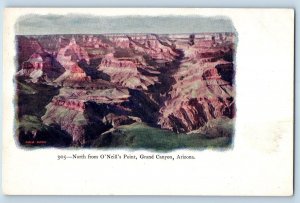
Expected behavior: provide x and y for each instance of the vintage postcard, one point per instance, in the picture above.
(148, 101)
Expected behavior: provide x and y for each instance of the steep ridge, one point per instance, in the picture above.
(203, 87)
(68, 57)
(35, 62)
(181, 83)
(128, 72)
(70, 108)
(99, 106)
(124, 99)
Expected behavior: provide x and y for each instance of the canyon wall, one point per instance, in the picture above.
(174, 82)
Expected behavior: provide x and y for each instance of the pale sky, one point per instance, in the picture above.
(85, 24)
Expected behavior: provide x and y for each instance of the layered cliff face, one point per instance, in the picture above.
(174, 83)
(69, 56)
(203, 88)
(26, 47)
(98, 106)
(35, 62)
(41, 67)
(153, 47)
(127, 72)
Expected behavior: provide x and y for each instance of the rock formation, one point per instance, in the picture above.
(203, 89)
(125, 72)
(68, 57)
(180, 83)
(40, 67)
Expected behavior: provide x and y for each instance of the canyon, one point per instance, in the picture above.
(96, 90)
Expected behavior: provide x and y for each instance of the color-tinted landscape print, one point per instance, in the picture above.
(138, 90)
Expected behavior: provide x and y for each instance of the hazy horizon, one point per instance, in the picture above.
(34, 24)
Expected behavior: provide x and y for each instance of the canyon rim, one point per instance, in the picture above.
(159, 83)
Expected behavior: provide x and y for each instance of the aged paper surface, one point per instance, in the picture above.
(257, 159)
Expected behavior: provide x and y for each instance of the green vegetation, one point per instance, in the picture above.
(26, 89)
(61, 113)
(217, 127)
(32, 98)
(31, 129)
(30, 123)
(140, 135)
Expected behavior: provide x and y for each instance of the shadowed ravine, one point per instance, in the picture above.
(138, 91)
